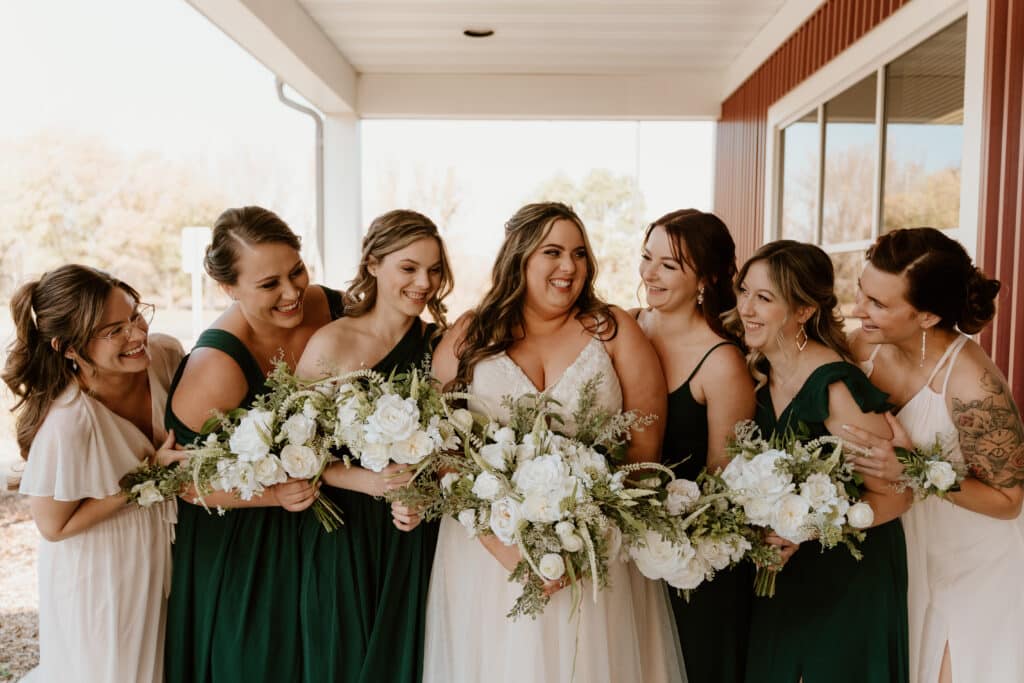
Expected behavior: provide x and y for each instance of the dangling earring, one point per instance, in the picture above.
(801, 344)
(924, 346)
(74, 365)
(700, 296)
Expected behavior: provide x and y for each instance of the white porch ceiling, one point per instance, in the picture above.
(547, 58)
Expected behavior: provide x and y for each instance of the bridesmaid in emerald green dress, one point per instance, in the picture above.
(364, 587)
(233, 612)
(833, 619)
(687, 266)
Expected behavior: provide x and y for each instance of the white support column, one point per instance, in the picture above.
(343, 229)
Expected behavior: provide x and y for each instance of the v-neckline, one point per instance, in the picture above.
(153, 416)
(565, 372)
(771, 402)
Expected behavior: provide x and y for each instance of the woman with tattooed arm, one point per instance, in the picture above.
(919, 297)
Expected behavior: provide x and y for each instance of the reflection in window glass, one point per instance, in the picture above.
(800, 178)
(848, 266)
(851, 153)
(924, 94)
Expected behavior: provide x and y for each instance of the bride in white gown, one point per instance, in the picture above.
(541, 327)
(965, 554)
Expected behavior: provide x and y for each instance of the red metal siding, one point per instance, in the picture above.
(742, 136)
(1000, 248)
(743, 127)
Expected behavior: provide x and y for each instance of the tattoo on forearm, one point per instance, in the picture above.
(991, 435)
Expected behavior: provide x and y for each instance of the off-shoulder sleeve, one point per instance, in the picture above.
(73, 456)
(811, 406)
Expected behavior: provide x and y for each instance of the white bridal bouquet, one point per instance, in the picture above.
(802, 490)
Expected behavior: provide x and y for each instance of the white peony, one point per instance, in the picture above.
(300, 462)
(462, 419)
(252, 438)
(299, 429)
(941, 475)
(505, 520)
(860, 515)
(148, 493)
(552, 566)
(269, 471)
(448, 480)
(571, 541)
(759, 511)
(394, 419)
(716, 552)
(496, 455)
(542, 474)
(690, 575)
(682, 493)
(542, 506)
(467, 518)
(658, 558)
(487, 486)
(374, 457)
(819, 491)
(789, 519)
(413, 450)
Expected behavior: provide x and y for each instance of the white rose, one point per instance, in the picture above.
(299, 429)
(252, 438)
(495, 455)
(941, 475)
(300, 462)
(542, 506)
(413, 450)
(552, 566)
(689, 576)
(462, 419)
(374, 457)
(448, 480)
(505, 520)
(717, 553)
(682, 493)
(467, 518)
(658, 558)
(734, 473)
(758, 511)
(245, 476)
(487, 486)
(542, 474)
(525, 451)
(571, 541)
(269, 471)
(764, 475)
(819, 491)
(505, 435)
(790, 517)
(394, 419)
(860, 515)
(147, 493)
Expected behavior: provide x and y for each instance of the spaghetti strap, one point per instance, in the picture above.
(959, 344)
(704, 358)
(942, 361)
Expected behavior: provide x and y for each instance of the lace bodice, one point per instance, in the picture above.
(496, 377)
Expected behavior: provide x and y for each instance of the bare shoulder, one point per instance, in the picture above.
(628, 333)
(974, 374)
(212, 381)
(456, 332)
(325, 351)
(860, 348)
(724, 367)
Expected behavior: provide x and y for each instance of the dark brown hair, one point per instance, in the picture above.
(712, 258)
(941, 278)
(803, 275)
(247, 225)
(388, 233)
(65, 305)
(497, 322)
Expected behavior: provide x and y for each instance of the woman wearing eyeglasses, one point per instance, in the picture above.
(91, 386)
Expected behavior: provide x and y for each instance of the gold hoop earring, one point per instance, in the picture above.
(700, 296)
(924, 347)
(801, 344)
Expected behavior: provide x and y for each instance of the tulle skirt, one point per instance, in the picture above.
(628, 635)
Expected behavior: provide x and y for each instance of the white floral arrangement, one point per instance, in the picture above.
(802, 490)
(929, 471)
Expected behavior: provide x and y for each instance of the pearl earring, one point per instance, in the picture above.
(700, 296)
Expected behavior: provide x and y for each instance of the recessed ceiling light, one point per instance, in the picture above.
(478, 32)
